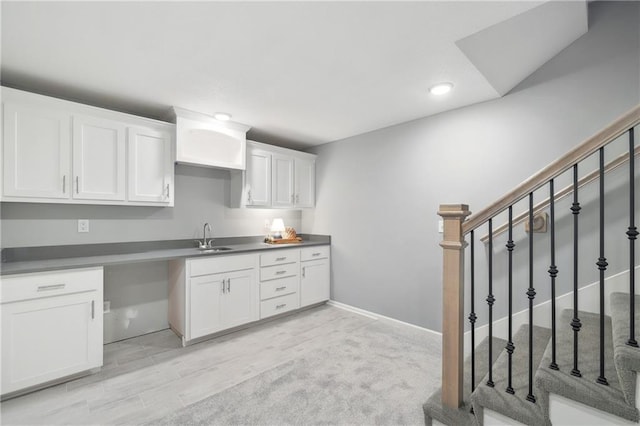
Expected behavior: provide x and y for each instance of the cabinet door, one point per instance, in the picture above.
(48, 338)
(98, 159)
(305, 182)
(239, 305)
(258, 178)
(282, 181)
(315, 282)
(37, 150)
(205, 293)
(149, 165)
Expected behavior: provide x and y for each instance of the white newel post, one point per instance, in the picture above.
(453, 245)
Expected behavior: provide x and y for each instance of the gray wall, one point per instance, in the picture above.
(378, 193)
(138, 293)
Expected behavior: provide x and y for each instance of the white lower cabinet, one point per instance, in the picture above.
(315, 268)
(51, 326)
(212, 294)
(279, 282)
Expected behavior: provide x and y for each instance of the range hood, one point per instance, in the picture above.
(202, 140)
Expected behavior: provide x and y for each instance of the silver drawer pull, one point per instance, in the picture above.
(316, 254)
(281, 288)
(280, 259)
(51, 287)
(280, 272)
(281, 306)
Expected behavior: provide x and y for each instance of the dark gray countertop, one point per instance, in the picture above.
(19, 260)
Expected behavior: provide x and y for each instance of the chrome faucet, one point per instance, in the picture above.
(205, 243)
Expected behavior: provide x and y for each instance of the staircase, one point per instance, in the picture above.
(575, 366)
(617, 399)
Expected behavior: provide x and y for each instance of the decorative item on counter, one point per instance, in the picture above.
(286, 236)
(277, 228)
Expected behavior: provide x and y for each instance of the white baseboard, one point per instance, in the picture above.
(375, 316)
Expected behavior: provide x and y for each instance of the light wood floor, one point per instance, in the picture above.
(147, 377)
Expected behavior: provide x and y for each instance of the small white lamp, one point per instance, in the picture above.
(277, 228)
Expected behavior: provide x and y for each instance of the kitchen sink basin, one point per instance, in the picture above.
(214, 249)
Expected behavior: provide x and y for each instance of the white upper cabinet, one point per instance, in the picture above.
(282, 181)
(37, 147)
(305, 182)
(98, 159)
(150, 165)
(275, 178)
(258, 190)
(55, 151)
(204, 141)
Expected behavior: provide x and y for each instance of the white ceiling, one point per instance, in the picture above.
(299, 73)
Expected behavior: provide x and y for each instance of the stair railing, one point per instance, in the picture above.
(457, 224)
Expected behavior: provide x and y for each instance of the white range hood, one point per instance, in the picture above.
(202, 140)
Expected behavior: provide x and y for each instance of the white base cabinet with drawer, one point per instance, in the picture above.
(212, 294)
(279, 282)
(51, 326)
(315, 269)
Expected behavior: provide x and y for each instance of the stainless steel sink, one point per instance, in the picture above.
(214, 249)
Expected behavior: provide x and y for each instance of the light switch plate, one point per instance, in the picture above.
(441, 226)
(83, 225)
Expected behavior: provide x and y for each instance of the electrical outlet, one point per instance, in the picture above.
(83, 225)
(106, 306)
(441, 226)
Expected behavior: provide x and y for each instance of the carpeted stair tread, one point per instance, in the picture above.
(626, 358)
(496, 398)
(433, 408)
(583, 389)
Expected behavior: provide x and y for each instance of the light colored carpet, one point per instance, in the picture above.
(378, 374)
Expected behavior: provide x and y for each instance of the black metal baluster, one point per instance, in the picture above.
(531, 294)
(472, 316)
(510, 348)
(490, 301)
(632, 233)
(602, 266)
(553, 272)
(575, 322)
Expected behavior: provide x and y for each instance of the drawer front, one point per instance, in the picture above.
(216, 265)
(51, 283)
(279, 257)
(275, 288)
(279, 305)
(313, 253)
(279, 271)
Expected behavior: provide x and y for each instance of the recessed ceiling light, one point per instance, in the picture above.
(222, 116)
(441, 88)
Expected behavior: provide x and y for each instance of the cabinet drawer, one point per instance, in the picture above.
(313, 253)
(279, 305)
(279, 257)
(53, 283)
(275, 288)
(216, 265)
(279, 271)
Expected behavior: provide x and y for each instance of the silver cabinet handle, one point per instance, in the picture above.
(281, 306)
(223, 286)
(168, 192)
(77, 184)
(297, 198)
(293, 198)
(64, 184)
(93, 309)
(51, 287)
(281, 288)
(316, 254)
(249, 196)
(229, 285)
(280, 272)
(280, 259)
(304, 270)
